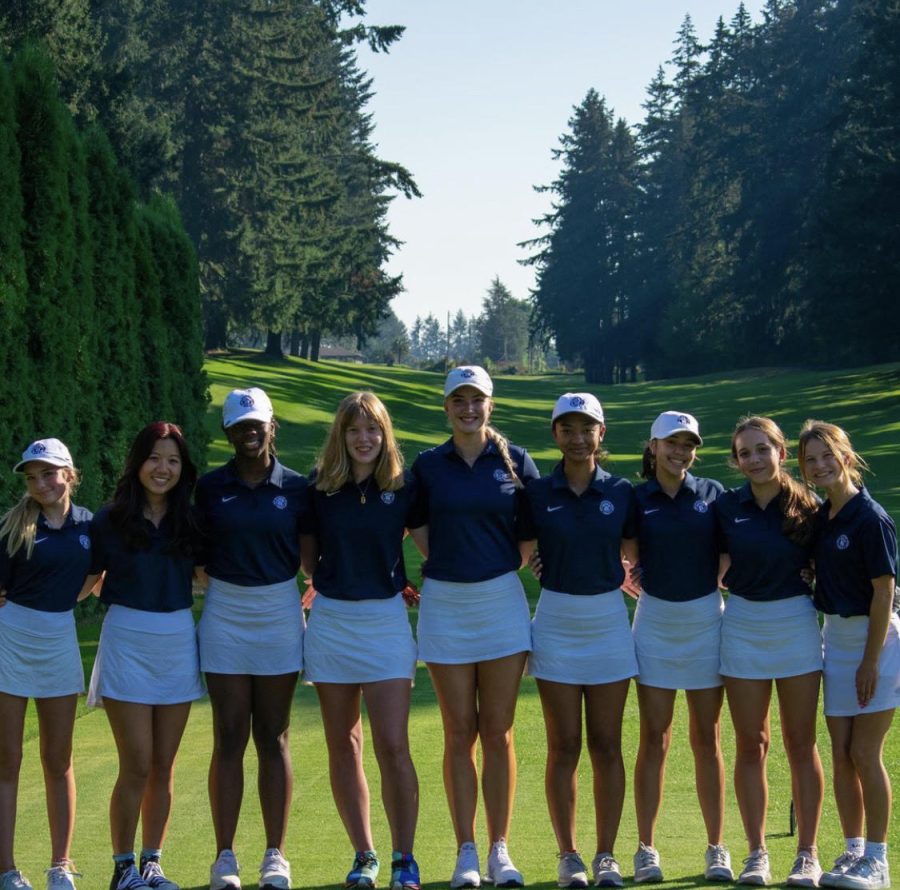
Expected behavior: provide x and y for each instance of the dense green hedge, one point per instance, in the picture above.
(100, 328)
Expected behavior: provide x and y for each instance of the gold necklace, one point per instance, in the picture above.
(362, 491)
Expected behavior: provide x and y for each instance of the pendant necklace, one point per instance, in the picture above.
(362, 491)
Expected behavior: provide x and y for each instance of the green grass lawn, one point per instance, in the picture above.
(864, 401)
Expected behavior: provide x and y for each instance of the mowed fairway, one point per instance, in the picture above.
(865, 401)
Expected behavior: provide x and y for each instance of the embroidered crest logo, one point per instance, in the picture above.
(387, 497)
(607, 507)
(280, 502)
(843, 542)
(701, 506)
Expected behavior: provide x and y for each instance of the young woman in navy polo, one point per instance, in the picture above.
(251, 630)
(856, 572)
(770, 633)
(473, 628)
(359, 643)
(582, 650)
(677, 631)
(146, 541)
(45, 555)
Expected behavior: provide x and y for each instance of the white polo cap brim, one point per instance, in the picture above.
(578, 403)
(47, 451)
(671, 422)
(468, 375)
(246, 404)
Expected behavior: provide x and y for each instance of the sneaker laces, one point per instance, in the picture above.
(804, 865)
(131, 880)
(63, 868)
(607, 863)
(572, 856)
(647, 856)
(845, 860)
(717, 856)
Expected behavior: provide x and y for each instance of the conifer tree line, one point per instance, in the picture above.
(752, 218)
(252, 115)
(100, 328)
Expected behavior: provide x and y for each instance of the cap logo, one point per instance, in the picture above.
(683, 420)
(247, 401)
(387, 497)
(701, 506)
(38, 448)
(502, 476)
(467, 373)
(280, 501)
(843, 542)
(576, 402)
(85, 541)
(607, 507)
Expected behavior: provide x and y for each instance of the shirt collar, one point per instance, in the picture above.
(449, 450)
(275, 477)
(75, 515)
(559, 478)
(856, 505)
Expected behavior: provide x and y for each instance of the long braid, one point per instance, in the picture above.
(502, 446)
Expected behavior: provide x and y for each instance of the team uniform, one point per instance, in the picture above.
(148, 644)
(678, 620)
(252, 622)
(358, 580)
(857, 545)
(39, 655)
(473, 606)
(770, 628)
(580, 632)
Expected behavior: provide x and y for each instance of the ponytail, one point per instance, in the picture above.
(648, 463)
(502, 445)
(799, 508)
(19, 526)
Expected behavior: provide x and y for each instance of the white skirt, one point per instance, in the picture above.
(149, 658)
(362, 641)
(39, 656)
(583, 640)
(251, 630)
(770, 640)
(677, 644)
(845, 640)
(467, 623)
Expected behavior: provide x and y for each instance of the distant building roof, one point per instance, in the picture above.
(340, 355)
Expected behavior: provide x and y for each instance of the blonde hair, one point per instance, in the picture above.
(798, 504)
(19, 525)
(333, 468)
(502, 446)
(837, 442)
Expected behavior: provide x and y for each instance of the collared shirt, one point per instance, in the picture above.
(255, 532)
(580, 536)
(765, 565)
(678, 540)
(360, 544)
(856, 546)
(155, 579)
(470, 512)
(61, 559)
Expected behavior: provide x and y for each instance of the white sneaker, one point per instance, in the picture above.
(224, 873)
(154, 877)
(500, 870)
(606, 871)
(61, 877)
(468, 870)
(841, 866)
(756, 869)
(274, 871)
(571, 872)
(805, 872)
(646, 865)
(867, 873)
(718, 863)
(14, 880)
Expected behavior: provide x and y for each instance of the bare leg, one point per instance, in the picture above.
(56, 719)
(867, 753)
(704, 708)
(12, 723)
(847, 788)
(657, 707)
(561, 704)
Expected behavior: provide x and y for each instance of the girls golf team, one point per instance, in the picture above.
(477, 510)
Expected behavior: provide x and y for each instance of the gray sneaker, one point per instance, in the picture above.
(14, 880)
(805, 872)
(61, 877)
(571, 871)
(756, 869)
(867, 873)
(841, 866)
(646, 865)
(718, 863)
(606, 871)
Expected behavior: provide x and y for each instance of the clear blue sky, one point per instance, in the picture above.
(473, 98)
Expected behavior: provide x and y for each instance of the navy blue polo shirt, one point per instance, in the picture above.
(157, 579)
(678, 539)
(61, 559)
(859, 544)
(255, 532)
(580, 536)
(470, 512)
(765, 565)
(360, 545)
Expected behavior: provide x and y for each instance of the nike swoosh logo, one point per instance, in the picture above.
(39, 540)
(738, 519)
(654, 510)
(554, 509)
(331, 494)
(226, 500)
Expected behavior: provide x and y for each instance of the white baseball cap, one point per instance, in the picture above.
(47, 451)
(468, 375)
(246, 404)
(578, 403)
(670, 422)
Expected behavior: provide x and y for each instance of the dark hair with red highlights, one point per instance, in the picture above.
(127, 508)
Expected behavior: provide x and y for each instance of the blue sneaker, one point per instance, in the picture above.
(364, 871)
(405, 873)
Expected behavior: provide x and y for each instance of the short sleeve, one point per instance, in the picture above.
(529, 468)
(879, 547)
(630, 526)
(99, 531)
(418, 508)
(526, 528)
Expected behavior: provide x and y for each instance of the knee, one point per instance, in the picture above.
(270, 744)
(751, 748)
(495, 737)
(705, 743)
(460, 735)
(392, 752)
(604, 747)
(865, 758)
(56, 763)
(655, 741)
(10, 762)
(231, 738)
(800, 746)
(564, 750)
